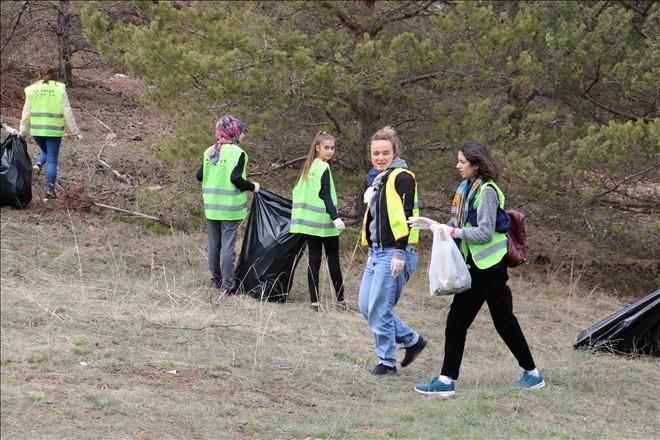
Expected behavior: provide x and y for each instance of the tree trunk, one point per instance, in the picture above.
(63, 43)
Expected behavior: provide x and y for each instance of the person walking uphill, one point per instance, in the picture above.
(484, 250)
(46, 112)
(391, 200)
(314, 214)
(224, 185)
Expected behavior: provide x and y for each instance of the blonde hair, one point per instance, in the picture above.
(387, 134)
(321, 137)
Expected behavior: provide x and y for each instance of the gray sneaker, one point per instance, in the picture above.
(50, 195)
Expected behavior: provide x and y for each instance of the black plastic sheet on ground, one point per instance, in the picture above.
(632, 330)
(15, 173)
(270, 253)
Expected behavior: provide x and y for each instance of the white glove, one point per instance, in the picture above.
(257, 187)
(421, 222)
(79, 136)
(12, 131)
(443, 229)
(339, 224)
(397, 266)
(369, 194)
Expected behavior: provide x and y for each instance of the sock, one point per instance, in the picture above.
(446, 379)
(534, 372)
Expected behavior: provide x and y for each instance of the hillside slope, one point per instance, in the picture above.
(117, 165)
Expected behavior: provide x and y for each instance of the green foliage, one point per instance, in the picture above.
(563, 93)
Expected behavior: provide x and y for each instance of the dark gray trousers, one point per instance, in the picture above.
(222, 240)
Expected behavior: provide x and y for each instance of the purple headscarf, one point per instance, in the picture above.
(227, 131)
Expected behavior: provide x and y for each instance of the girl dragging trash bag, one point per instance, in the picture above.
(224, 185)
(314, 214)
(391, 200)
(484, 250)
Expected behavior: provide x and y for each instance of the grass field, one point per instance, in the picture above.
(109, 332)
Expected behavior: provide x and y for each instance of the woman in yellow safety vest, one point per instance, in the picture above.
(485, 251)
(314, 214)
(46, 112)
(391, 200)
(223, 175)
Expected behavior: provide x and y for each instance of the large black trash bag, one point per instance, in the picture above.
(632, 330)
(15, 173)
(270, 253)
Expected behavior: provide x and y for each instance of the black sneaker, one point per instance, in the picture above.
(216, 283)
(384, 370)
(414, 350)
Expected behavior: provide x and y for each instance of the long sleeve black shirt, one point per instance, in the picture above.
(236, 175)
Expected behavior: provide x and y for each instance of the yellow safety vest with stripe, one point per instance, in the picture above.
(395, 211)
(222, 199)
(308, 213)
(486, 255)
(46, 108)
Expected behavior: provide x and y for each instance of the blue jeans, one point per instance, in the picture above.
(50, 151)
(379, 293)
(222, 239)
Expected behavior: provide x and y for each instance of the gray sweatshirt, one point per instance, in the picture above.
(486, 218)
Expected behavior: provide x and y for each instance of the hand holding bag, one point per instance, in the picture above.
(448, 273)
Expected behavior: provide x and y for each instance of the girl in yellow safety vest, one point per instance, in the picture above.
(224, 190)
(314, 214)
(391, 200)
(485, 251)
(46, 112)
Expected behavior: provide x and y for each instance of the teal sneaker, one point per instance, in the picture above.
(436, 387)
(530, 382)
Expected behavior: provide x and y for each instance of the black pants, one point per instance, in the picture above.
(331, 245)
(488, 285)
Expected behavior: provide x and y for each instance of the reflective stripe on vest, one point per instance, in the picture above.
(486, 255)
(308, 213)
(46, 108)
(396, 211)
(222, 200)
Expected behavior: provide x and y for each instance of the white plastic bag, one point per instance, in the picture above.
(448, 273)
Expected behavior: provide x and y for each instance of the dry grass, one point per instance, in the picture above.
(108, 331)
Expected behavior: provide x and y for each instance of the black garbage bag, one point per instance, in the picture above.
(632, 330)
(270, 253)
(15, 173)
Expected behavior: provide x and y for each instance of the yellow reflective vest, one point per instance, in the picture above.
(222, 199)
(395, 211)
(486, 255)
(308, 213)
(46, 108)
